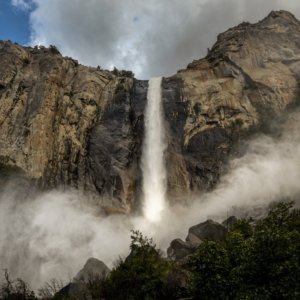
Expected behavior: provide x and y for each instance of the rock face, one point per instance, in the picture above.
(64, 124)
(248, 78)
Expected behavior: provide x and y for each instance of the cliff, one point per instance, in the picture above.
(66, 125)
(248, 78)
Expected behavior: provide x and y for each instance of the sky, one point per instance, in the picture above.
(151, 38)
(14, 23)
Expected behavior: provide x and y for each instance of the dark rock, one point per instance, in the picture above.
(179, 249)
(229, 222)
(209, 230)
(74, 290)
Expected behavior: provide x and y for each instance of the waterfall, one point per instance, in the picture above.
(153, 163)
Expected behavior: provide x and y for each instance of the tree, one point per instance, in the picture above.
(50, 289)
(142, 274)
(15, 289)
(257, 261)
(210, 269)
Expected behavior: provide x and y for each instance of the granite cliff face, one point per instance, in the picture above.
(66, 125)
(63, 124)
(249, 77)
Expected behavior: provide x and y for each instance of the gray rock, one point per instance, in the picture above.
(179, 249)
(229, 222)
(209, 230)
(193, 240)
(93, 268)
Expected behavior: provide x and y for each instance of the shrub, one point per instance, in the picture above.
(53, 49)
(16, 289)
(142, 275)
(257, 261)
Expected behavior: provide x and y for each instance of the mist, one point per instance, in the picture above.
(53, 234)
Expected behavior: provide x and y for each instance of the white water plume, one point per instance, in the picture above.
(153, 164)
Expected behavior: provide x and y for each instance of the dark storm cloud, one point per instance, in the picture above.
(151, 37)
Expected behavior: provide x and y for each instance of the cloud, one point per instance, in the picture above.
(22, 4)
(53, 234)
(149, 37)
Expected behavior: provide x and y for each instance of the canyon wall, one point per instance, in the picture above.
(64, 125)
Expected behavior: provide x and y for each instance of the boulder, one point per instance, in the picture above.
(179, 249)
(193, 240)
(209, 230)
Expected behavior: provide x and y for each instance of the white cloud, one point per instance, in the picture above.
(151, 37)
(22, 4)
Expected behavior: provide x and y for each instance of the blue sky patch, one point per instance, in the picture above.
(14, 23)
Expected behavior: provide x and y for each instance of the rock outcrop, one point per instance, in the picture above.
(93, 268)
(66, 125)
(206, 231)
(92, 271)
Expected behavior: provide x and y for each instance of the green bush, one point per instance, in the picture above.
(142, 275)
(257, 261)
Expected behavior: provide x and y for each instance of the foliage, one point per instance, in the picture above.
(50, 289)
(257, 261)
(122, 73)
(210, 269)
(15, 289)
(142, 275)
(53, 49)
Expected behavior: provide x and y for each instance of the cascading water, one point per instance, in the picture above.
(153, 164)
